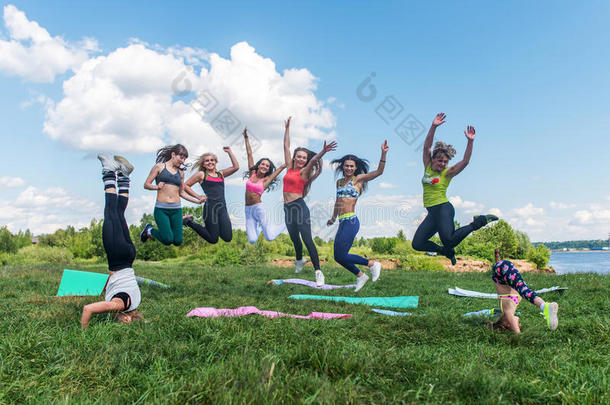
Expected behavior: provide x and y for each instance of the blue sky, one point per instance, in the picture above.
(532, 78)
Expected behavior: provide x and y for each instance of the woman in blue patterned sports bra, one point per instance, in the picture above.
(168, 175)
(355, 178)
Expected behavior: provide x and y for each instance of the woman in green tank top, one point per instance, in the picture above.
(437, 176)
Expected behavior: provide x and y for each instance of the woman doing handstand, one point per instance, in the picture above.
(122, 291)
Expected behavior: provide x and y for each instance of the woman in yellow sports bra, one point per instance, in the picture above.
(441, 213)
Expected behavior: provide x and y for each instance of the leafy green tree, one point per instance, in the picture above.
(540, 256)
(401, 236)
(523, 245)
(8, 244)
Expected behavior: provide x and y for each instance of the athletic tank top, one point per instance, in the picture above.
(293, 182)
(347, 190)
(213, 187)
(255, 187)
(166, 177)
(435, 186)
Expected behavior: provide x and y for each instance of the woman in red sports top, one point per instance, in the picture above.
(304, 166)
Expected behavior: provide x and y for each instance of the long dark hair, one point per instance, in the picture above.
(316, 170)
(362, 167)
(254, 169)
(165, 153)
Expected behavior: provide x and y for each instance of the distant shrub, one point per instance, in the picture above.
(383, 245)
(227, 255)
(39, 255)
(540, 256)
(421, 263)
(253, 254)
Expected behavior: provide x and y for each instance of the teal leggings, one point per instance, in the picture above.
(169, 224)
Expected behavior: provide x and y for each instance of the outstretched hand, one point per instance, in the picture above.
(227, 149)
(329, 147)
(384, 146)
(330, 222)
(245, 133)
(469, 133)
(287, 123)
(439, 119)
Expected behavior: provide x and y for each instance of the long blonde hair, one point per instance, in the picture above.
(199, 162)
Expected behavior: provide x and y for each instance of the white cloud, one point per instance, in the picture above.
(46, 210)
(130, 101)
(468, 207)
(495, 211)
(11, 181)
(528, 211)
(560, 205)
(32, 53)
(385, 185)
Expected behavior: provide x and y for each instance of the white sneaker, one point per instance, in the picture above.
(299, 264)
(360, 282)
(108, 164)
(319, 278)
(124, 166)
(375, 270)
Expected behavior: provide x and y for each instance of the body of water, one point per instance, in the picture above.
(581, 262)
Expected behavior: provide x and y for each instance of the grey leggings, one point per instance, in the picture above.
(298, 224)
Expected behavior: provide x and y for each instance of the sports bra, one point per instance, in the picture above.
(255, 187)
(293, 182)
(166, 177)
(213, 187)
(347, 190)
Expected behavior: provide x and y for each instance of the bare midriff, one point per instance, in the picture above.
(169, 194)
(252, 198)
(346, 205)
(290, 197)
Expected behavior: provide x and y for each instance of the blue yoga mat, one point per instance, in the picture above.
(75, 282)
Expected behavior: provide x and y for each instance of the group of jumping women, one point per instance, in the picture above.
(303, 167)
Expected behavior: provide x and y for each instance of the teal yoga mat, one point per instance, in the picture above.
(391, 302)
(75, 282)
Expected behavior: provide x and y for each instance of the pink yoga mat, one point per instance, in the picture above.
(209, 312)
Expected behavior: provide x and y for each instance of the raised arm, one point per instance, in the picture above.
(195, 178)
(184, 193)
(248, 149)
(306, 172)
(438, 121)
(269, 179)
(363, 178)
(154, 172)
(287, 157)
(235, 165)
(459, 166)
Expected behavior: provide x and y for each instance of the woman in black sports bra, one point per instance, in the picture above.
(215, 214)
(168, 175)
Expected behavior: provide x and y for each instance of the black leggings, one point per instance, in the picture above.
(440, 219)
(119, 248)
(217, 222)
(298, 224)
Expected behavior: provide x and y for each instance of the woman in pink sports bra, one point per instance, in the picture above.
(261, 176)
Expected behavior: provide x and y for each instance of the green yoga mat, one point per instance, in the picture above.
(75, 282)
(391, 302)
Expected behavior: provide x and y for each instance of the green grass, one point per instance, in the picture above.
(370, 358)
